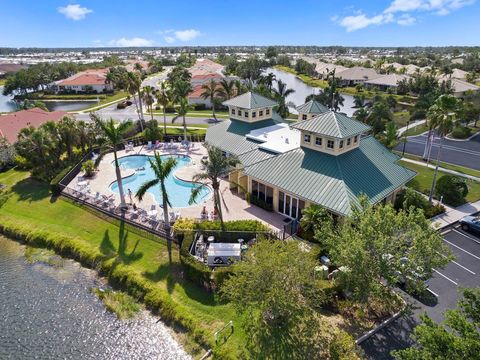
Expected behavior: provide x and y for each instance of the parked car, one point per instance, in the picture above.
(470, 223)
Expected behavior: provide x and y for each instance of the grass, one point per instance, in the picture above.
(400, 118)
(423, 181)
(179, 131)
(461, 169)
(31, 209)
(2, 82)
(118, 302)
(417, 130)
(196, 114)
(104, 102)
(46, 256)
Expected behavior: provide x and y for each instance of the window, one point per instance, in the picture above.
(267, 111)
(349, 141)
(255, 188)
(233, 111)
(246, 114)
(340, 144)
(260, 113)
(355, 139)
(254, 114)
(239, 112)
(262, 192)
(330, 144)
(281, 202)
(306, 138)
(304, 116)
(318, 141)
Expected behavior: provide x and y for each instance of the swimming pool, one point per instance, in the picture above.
(178, 190)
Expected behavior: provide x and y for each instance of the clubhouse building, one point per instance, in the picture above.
(325, 158)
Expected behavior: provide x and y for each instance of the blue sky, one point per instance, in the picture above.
(85, 23)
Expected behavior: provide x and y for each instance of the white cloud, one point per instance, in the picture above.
(187, 35)
(169, 39)
(132, 42)
(74, 11)
(402, 12)
(357, 22)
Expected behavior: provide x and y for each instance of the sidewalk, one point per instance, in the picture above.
(410, 126)
(456, 214)
(432, 166)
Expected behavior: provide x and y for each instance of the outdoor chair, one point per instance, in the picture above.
(149, 145)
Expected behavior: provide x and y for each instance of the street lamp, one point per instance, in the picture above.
(405, 138)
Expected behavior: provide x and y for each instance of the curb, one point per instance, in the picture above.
(463, 140)
(385, 323)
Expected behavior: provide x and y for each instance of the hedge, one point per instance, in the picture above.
(55, 183)
(261, 203)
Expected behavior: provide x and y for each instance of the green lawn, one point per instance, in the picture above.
(197, 114)
(417, 130)
(445, 165)
(31, 206)
(423, 181)
(400, 118)
(179, 131)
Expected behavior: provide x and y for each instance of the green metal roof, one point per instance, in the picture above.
(254, 156)
(250, 100)
(335, 182)
(332, 124)
(312, 107)
(229, 135)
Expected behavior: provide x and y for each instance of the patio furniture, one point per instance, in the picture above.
(149, 145)
(158, 144)
(211, 239)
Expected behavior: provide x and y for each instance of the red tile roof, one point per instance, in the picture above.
(214, 76)
(11, 124)
(88, 77)
(197, 91)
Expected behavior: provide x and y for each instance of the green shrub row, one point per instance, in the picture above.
(261, 203)
(118, 274)
(461, 132)
(55, 187)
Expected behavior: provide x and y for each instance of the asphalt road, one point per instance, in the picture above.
(446, 283)
(464, 153)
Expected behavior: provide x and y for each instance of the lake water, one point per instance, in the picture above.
(302, 90)
(8, 105)
(50, 313)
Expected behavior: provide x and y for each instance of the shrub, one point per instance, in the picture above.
(199, 106)
(261, 203)
(452, 188)
(121, 105)
(409, 197)
(89, 168)
(169, 110)
(55, 187)
(461, 132)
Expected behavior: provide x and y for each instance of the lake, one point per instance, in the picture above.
(8, 105)
(302, 90)
(50, 313)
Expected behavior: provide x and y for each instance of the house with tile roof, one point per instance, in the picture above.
(328, 159)
(92, 81)
(355, 75)
(386, 82)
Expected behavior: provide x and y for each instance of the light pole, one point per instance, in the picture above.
(405, 138)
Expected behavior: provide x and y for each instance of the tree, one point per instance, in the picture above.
(361, 114)
(134, 88)
(275, 291)
(227, 88)
(458, 337)
(7, 154)
(280, 94)
(271, 52)
(313, 217)
(114, 134)
(183, 109)
(162, 170)
(216, 166)
(69, 134)
(148, 96)
(379, 114)
(211, 91)
(452, 188)
(442, 115)
(390, 140)
(379, 243)
(164, 97)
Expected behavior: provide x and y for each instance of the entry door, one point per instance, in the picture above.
(288, 205)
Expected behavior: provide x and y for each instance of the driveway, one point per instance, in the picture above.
(464, 153)
(464, 271)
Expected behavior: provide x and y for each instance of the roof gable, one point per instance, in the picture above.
(250, 100)
(312, 107)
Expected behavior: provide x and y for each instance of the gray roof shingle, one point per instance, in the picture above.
(332, 124)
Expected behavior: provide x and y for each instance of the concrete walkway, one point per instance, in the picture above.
(453, 172)
(410, 126)
(456, 214)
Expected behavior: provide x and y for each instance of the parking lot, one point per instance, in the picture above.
(446, 284)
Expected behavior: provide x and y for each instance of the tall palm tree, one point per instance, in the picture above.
(281, 93)
(442, 115)
(114, 134)
(239, 87)
(216, 166)
(134, 84)
(164, 97)
(148, 97)
(211, 91)
(162, 170)
(68, 130)
(227, 88)
(183, 109)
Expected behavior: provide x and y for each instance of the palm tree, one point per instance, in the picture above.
(134, 88)
(313, 217)
(211, 91)
(183, 109)
(162, 170)
(68, 130)
(239, 87)
(216, 166)
(442, 115)
(281, 93)
(114, 133)
(164, 96)
(268, 80)
(227, 88)
(149, 98)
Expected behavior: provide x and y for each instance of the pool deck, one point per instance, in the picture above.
(234, 207)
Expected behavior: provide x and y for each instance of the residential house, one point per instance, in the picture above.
(326, 160)
(386, 82)
(88, 81)
(355, 75)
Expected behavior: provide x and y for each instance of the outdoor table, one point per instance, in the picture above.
(152, 212)
(211, 239)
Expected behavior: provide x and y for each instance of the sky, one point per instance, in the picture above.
(95, 23)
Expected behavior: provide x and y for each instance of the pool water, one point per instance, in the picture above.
(178, 190)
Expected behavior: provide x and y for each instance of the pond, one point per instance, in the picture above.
(50, 313)
(302, 90)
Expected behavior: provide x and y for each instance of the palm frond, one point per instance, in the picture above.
(145, 187)
(196, 191)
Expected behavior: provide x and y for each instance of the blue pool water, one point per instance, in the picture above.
(178, 190)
